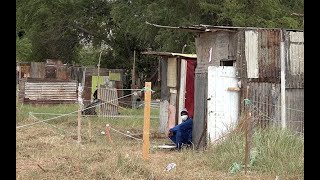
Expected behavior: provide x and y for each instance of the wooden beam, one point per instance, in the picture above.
(233, 89)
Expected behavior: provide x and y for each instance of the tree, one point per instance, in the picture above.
(77, 31)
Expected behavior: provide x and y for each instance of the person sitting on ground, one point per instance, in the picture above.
(182, 133)
(95, 94)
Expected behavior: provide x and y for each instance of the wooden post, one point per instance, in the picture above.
(283, 85)
(80, 89)
(146, 126)
(98, 88)
(133, 83)
(247, 150)
(108, 133)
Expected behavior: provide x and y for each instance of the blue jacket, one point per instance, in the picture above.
(182, 133)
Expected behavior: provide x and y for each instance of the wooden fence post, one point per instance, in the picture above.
(80, 89)
(247, 124)
(146, 126)
(108, 133)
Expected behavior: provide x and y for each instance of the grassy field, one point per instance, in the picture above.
(46, 151)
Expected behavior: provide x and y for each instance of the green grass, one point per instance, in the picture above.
(57, 152)
(279, 152)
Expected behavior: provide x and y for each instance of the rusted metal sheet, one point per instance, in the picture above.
(295, 109)
(266, 102)
(269, 55)
(258, 55)
(41, 91)
(295, 60)
(37, 70)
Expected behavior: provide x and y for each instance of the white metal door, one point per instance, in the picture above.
(223, 101)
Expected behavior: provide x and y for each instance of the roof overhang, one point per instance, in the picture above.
(170, 54)
(210, 28)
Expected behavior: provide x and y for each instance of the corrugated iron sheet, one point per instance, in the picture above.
(50, 92)
(295, 60)
(251, 53)
(295, 109)
(269, 55)
(258, 55)
(266, 101)
(110, 102)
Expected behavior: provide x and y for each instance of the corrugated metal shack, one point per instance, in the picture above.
(48, 83)
(269, 61)
(177, 74)
(47, 91)
(257, 55)
(112, 78)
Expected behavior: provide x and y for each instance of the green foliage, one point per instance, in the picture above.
(62, 29)
(23, 49)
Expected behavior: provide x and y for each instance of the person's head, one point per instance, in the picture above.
(184, 114)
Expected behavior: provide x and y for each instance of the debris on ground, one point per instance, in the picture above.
(170, 166)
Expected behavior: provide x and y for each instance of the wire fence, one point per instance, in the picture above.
(265, 117)
(67, 131)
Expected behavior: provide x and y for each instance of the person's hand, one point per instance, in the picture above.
(170, 133)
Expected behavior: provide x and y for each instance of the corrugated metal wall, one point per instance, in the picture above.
(269, 69)
(258, 62)
(295, 109)
(261, 51)
(110, 104)
(266, 100)
(269, 55)
(295, 60)
(295, 80)
(257, 54)
(40, 91)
